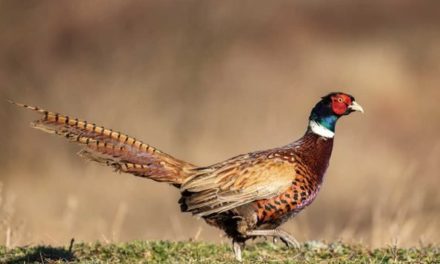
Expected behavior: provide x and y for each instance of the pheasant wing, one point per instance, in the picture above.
(236, 182)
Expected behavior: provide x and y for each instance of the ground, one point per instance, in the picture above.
(199, 252)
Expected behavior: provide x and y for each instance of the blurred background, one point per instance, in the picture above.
(207, 80)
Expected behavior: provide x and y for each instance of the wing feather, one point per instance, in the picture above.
(236, 182)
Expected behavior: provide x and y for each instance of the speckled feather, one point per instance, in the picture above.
(260, 189)
(236, 182)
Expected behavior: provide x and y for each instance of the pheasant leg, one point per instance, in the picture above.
(287, 238)
(237, 247)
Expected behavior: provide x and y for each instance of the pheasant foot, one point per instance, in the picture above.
(284, 236)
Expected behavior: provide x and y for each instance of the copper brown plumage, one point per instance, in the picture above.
(248, 195)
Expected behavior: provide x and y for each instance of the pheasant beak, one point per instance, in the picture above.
(356, 107)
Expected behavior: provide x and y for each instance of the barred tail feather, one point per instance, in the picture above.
(120, 151)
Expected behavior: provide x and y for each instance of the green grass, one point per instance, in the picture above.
(198, 252)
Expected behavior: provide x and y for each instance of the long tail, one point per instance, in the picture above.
(120, 151)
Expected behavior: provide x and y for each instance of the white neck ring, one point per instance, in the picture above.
(321, 130)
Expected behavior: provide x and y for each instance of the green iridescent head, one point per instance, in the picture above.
(331, 107)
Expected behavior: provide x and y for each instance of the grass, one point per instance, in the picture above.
(199, 252)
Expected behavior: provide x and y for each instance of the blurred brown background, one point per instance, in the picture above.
(204, 81)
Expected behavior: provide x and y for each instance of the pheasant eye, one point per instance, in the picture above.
(340, 100)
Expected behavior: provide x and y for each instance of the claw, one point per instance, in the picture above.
(288, 239)
(285, 237)
(290, 242)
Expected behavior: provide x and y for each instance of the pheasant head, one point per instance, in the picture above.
(325, 114)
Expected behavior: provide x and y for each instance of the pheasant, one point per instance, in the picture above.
(246, 196)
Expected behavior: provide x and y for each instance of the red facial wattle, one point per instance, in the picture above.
(339, 108)
(340, 104)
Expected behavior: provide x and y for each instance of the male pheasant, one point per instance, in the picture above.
(247, 196)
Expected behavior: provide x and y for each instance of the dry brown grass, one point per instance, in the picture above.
(208, 80)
